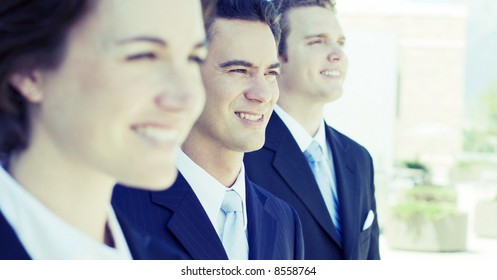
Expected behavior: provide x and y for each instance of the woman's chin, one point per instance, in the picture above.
(153, 181)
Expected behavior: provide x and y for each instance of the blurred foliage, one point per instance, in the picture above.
(473, 168)
(489, 105)
(419, 173)
(430, 193)
(414, 164)
(479, 163)
(482, 135)
(479, 141)
(424, 210)
(426, 201)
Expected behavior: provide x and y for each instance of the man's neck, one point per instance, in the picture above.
(219, 162)
(309, 116)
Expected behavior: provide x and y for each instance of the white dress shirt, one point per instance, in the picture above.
(304, 139)
(209, 191)
(301, 135)
(45, 236)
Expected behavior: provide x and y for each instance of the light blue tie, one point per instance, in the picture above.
(322, 173)
(234, 238)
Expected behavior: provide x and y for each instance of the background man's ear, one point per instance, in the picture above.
(28, 84)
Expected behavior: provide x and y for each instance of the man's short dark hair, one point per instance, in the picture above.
(285, 6)
(250, 10)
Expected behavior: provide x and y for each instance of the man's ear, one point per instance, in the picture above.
(28, 84)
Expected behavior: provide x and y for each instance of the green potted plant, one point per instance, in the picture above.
(427, 219)
(416, 171)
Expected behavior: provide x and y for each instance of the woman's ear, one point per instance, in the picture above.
(28, 84)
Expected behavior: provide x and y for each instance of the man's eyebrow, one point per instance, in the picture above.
(274, 65)
(149, 39)
(231, 63)
(321, 35)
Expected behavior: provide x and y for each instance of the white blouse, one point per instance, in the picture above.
(45, 236)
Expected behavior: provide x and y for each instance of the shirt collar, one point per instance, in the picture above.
(320, 137)
(44, 235)
(209, 191)
(301, 136)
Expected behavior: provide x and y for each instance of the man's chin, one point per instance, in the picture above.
(333, 95)
(254, 146)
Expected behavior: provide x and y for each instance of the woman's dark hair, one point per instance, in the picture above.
(32, 35)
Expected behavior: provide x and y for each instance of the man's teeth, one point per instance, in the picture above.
(250, 117)
(331, 73)
(157, 134)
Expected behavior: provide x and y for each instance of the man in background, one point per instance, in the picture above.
(213, 211)
(325, 175)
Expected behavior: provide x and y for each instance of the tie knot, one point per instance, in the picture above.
(314, 153)
(232, 202)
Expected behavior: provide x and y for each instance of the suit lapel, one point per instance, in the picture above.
(347, 188)
(10, 245)
(297, 173)
(189, 223)
(145, 247)
(262, 226)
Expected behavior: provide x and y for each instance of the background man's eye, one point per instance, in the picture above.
(140, 56)
(313, 42)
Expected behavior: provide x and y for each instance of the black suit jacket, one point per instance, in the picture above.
(140, 246)
(176, 214)
(280, 166)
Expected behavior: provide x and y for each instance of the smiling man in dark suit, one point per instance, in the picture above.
(325, 175)
(239, 74)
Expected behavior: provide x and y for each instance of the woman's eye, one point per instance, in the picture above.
(141, 56)
(196, 59)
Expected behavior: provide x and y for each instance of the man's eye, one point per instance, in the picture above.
(141, 56)
(241, 71)
(314, 42)
(273, 73)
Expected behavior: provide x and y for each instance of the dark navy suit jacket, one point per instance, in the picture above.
(274, 229)
(281, 168)
(141, 247)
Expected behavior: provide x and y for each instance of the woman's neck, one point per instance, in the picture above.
(78, 195)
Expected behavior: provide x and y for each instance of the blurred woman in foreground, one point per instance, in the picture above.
(91, 93)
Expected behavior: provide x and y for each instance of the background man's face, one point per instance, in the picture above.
(316, 64)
